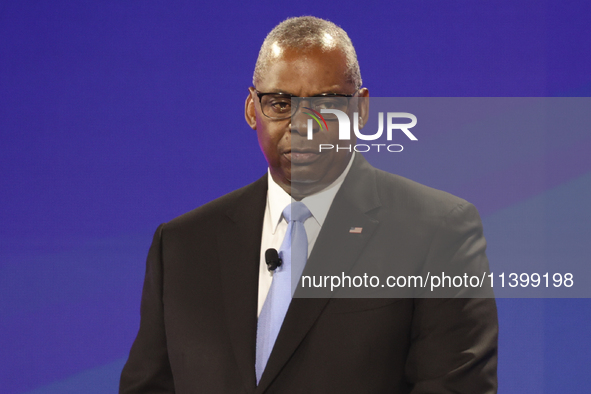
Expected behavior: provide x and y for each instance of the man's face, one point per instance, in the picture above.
(294, 161)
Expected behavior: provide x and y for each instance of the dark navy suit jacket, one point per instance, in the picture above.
(199, 303)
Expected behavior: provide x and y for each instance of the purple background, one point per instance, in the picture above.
(117, 116)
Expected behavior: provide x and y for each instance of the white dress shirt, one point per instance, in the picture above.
(275, 226)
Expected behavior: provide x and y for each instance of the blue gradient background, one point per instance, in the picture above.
(114, 118)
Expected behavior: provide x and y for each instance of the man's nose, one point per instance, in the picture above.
(300, 120)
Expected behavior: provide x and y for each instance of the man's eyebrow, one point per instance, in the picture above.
(328, 91)
(335, 89)
(284, 92)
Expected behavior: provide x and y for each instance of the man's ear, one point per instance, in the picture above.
(249, 110)
(363, 106)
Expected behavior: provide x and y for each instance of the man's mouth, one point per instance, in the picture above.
(303, 156)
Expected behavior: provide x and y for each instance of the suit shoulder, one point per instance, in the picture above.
(221, 206)
(403, 193)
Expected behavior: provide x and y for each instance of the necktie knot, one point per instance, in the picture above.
(297, 211)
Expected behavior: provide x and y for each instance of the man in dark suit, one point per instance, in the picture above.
(206, 280)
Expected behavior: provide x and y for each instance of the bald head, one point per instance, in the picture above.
(304, 34)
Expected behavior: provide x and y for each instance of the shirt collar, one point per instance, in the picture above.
(277, 200)
(318, 203)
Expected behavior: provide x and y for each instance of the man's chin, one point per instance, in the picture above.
(305, 183)
(304, 175)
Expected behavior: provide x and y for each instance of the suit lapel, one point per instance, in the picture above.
(357, 196)
(239, 243)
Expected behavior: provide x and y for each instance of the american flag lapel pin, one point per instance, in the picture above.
(355, 230)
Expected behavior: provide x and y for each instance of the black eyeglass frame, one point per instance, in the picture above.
(260, 95)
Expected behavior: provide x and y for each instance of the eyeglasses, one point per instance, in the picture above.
(279, 106)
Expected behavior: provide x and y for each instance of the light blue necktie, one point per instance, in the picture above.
(294, 254)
